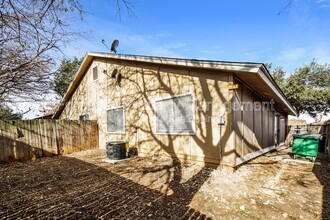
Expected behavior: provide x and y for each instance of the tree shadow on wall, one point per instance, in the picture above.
(144, 85)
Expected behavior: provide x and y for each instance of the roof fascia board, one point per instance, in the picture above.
(245, 67)
(75, 81)
(266, 79)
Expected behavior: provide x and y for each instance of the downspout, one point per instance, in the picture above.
(221, 122)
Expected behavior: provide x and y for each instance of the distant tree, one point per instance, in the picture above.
(279, 75)
(269, 66)
(307, 89)
(294, 90)
(65, 74)
(7, 113)
(316, 94)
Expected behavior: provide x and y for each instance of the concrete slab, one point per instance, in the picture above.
(301, 161)
(107, 160)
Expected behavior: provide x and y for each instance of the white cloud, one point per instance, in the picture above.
(161, 35)
(322, 54)
(150, 45)
(177, 45)
(294, 58)
(129, 43)
(292, 54)
(323, 3)
(209, 52)
(162, 52)
(252, 56)
(290, 59)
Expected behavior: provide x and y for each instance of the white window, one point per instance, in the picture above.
(84, 117)
(116, 120)
(175, 115)
(95, 73)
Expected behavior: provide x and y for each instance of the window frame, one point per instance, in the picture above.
(193, 114)
(97, 68)
(124, 121)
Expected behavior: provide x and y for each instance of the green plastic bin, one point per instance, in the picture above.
(306, 145)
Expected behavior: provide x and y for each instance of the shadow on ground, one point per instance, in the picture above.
(322, 172)
(65, 187)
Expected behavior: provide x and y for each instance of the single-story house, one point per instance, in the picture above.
(215, 113)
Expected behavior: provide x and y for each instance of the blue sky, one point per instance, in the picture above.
(227, 30)
(230, 30)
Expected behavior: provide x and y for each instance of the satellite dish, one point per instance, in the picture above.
(114, 46)
(114, 73)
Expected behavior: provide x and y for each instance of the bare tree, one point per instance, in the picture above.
(31, 33)
(127, 5)
(286, 7)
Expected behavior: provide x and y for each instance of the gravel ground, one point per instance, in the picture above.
(81, 186)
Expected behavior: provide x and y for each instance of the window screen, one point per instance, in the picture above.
(84, 117)
(115, 120)
(175, 115)
(95, 73)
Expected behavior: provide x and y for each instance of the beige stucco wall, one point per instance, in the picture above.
(141, 85)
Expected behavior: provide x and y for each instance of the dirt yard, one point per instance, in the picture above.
(81, 186)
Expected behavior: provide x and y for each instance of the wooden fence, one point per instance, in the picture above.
(323, 129)
(29, 139)
(327, 137)
(305, 129)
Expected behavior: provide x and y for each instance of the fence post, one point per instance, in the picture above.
(327, 138)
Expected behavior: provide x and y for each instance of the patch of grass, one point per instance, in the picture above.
(283, 194)
(261, 218)
(237, 205)
(210, 210)
(248, 209)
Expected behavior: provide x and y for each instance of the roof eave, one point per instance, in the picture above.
(71, 88)
(266, 76)
(223, 65)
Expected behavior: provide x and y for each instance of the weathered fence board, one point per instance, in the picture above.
(25, 139)
(327, 137)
